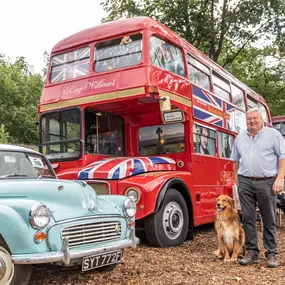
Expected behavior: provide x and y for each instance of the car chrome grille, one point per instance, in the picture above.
(91, 233)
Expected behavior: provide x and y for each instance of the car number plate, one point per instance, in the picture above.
(99, 260)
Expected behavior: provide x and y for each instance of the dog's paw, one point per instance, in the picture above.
(227, 260)
(234, 259)
(218, 254)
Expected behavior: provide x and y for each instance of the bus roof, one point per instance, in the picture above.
(128, 25)
(106, 30)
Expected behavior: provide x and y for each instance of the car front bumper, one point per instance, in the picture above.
(66, 254)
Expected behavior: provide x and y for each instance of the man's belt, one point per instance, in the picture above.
(257, 178)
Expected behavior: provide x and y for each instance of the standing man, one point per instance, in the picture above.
(259, 167)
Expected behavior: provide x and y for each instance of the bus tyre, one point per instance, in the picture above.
(10, 273)
(169, 226)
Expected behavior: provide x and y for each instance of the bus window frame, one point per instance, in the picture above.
(243, 94)
(91, 54)
(216, 155)
(258, 103)
(225, 131)
(58, 142)
(221, 77)
(94, 44)
(85, 132)
(250, 98)
(195, 66)
(166, 125)
(182, 50)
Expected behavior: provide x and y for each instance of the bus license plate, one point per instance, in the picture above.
(99, 260)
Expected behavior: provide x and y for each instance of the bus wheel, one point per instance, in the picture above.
(169, 226)
(10, 273)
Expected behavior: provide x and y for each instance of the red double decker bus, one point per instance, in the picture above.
(134, 109)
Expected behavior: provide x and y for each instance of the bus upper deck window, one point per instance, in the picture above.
(166, 56)
(222, 87)
(238, 97)
(251, 103)
(70, 65)
(118, 53)
(198, 72)
(263, 112)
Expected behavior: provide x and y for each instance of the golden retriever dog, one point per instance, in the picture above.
(231, 236)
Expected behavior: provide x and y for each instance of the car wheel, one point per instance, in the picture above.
(107, 268)
(10, 273)
(169, 226)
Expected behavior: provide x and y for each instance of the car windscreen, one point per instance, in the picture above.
(15, 164)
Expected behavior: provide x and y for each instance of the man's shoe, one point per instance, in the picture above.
(272, 261)
(249, 258)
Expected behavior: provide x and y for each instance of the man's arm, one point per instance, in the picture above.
(235, 157)
(279, 149)
(279, 181)
(235, 169)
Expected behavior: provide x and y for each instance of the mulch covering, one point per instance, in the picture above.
(191, 263)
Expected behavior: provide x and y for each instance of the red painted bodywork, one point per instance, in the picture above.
(206, 177)
(278, 119)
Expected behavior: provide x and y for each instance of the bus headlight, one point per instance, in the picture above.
(40, 216)
(130, 207)
(134, 194)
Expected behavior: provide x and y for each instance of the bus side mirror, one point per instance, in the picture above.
(164, 104)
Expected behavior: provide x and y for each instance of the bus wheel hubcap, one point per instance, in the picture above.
(173, 220)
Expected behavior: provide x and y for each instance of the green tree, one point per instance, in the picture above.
(20, 91)
(239, 35)
(264, 74)
(214, 27)
(4, 136)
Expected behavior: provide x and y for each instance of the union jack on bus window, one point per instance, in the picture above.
(70, 65)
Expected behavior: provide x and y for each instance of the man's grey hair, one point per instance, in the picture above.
(254, 109)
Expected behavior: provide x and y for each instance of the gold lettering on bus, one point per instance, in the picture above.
(227, 175)
(218, 112)
(68, 90)
(92, 85)
(99, 84)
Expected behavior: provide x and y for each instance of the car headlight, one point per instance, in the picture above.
(130, 207)
(134, 194)
(40, 216)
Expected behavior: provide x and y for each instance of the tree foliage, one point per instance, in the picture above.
(240, 35)
(264, 75)
(20, 91)
(4, 136)
(212, 26)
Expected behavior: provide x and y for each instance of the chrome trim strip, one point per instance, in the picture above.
(65, 255)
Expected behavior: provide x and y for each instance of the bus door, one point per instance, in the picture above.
(205, 168)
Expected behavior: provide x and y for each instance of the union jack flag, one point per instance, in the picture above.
(118, 168)
(70, 65)
(208, 108)
(207, 98)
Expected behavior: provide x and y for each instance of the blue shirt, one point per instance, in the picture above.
(258, 156)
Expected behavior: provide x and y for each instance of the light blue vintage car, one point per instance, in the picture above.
(47, 220)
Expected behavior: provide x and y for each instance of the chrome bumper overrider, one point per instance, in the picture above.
(66, 254)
